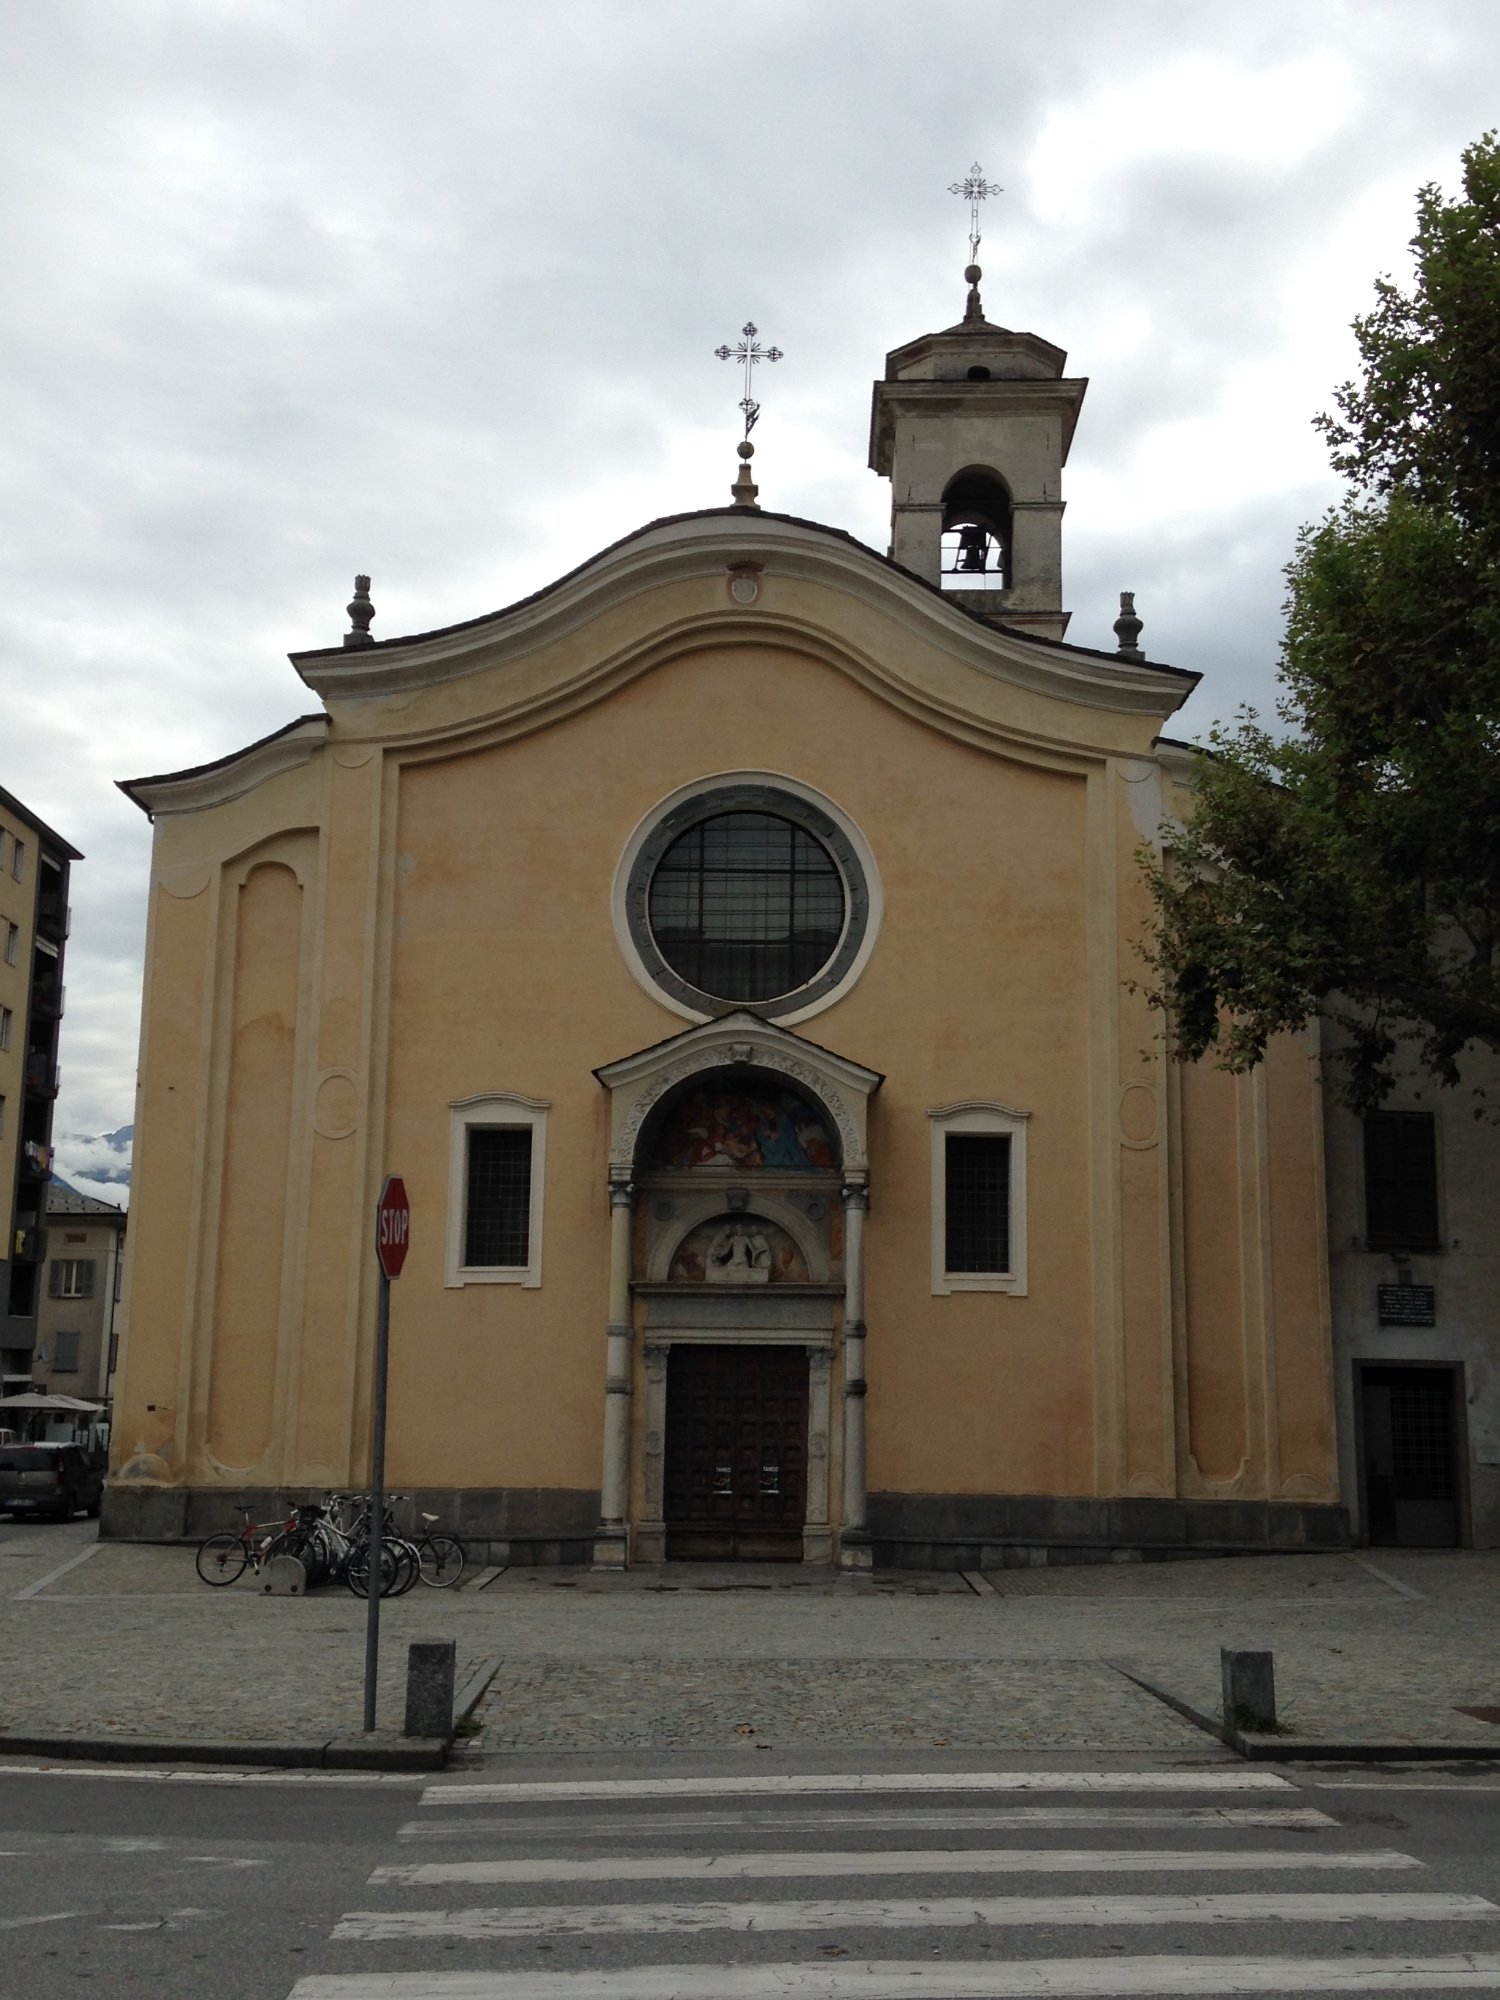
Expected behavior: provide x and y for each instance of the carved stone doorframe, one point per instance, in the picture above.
(636, 1084)
(651, 1530)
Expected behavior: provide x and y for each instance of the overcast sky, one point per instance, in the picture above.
(298, 287)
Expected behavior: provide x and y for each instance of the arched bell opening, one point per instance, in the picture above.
(977, 531)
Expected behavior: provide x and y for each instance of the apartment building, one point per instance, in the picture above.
(34, 865)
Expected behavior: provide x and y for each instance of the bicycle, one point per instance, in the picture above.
(400, 1565)
(224, 1557)
(440, 1556)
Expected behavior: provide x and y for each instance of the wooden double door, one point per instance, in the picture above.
(735, 1471)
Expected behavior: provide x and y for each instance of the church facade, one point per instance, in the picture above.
(732, 948)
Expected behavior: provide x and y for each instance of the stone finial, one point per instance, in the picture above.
(973, 310)
(361, 611)
(744, 491)
(1128, 628)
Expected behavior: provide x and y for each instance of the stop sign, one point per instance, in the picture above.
(392, 1226)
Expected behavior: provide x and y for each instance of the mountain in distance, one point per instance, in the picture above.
(94, 1163)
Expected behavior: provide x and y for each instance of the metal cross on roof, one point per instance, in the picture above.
(749, 351)
(974, 190)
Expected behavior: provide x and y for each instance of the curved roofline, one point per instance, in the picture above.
(732, 513)
(142, 791)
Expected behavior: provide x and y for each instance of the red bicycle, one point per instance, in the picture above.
(225, 1556)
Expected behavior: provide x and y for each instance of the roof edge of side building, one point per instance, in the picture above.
(39, 826)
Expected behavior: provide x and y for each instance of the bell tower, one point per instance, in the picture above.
(972, 428)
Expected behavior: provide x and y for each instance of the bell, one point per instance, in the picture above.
(973, 547)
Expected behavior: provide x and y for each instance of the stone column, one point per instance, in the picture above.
(651, 1529)
(854, 1539)
(817, 1535)
(611, 1543)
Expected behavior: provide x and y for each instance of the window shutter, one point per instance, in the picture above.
(1401, 1180)
(85, 1277)
(65, 1354)
(54, 1279)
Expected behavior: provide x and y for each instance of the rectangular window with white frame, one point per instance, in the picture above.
(71, 1278)
(978, 1198)
(4, 1027)
(497, 1163)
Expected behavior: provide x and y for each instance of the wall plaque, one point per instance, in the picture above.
(1406, 1305)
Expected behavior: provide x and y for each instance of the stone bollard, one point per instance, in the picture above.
(284, 1576)
(1249, 1690)
(430, 1669)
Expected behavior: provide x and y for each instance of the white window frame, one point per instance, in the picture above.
(4, 1027)
(510, 1110)
(998, 1121)
(12, 942)
(17, 857)
(70, 1277)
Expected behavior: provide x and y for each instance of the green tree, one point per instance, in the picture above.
(1349, 863)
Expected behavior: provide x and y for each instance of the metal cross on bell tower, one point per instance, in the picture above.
(748, 351)
(974, 189)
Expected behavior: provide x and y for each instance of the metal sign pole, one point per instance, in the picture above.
(377, 1498)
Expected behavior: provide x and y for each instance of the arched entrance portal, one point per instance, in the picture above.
(738, 1188)
(739, 1267)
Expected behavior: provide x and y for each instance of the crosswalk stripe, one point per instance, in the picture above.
(1058, 1978)
(925, 1861)
(617, 1920)
(964, 1820)
(740, 1785)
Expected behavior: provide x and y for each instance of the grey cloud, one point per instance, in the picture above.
(295, 291)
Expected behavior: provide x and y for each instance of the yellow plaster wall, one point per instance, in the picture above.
(505, 976)
(1306, 1442)
(159, 1305)
(1216, 1384)
(258, 1113)
(461, 921)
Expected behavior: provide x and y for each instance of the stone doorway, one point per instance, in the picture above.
(735, 1470)
(1409, 1457)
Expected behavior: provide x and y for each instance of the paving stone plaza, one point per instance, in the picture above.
(110, 1639)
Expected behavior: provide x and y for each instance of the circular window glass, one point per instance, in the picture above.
(746, 906)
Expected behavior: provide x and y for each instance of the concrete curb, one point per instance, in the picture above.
(1209, 1724)
(1288, 1749)
(339, 1753)
(1292, 1750)
(475, 1688)
(382, 1751)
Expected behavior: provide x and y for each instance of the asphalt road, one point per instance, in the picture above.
(1061, 1877)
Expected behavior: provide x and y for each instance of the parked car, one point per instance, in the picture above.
(60, 1480)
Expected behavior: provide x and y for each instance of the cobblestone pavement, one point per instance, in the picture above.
(1368, 1648)
(783, 1704)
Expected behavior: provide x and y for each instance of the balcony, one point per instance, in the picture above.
(48, 995)
(42, 1074)
(53, 917)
